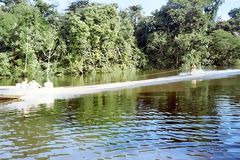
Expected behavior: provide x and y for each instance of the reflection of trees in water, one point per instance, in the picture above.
(44, 125)
(205, 112)
(181, 112)
(194, 101)
(225, 90)
(96, 78)
(101, 108)
(200, 110)
(30, 134)
(185, 97)
(226, 95)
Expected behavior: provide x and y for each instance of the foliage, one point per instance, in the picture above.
(78, 5)
(157, 49)
(193, 49)
(99, 39)
(233, 24)
(8, 23)
(213, 7)
(134, 13)
(37, 40)
(234, 13)
(26, 31)
(178, 35)
(225, 48)
(5, 65)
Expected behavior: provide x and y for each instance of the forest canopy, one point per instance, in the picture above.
(35, 39)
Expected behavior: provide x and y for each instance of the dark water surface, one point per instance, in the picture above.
(187, 120)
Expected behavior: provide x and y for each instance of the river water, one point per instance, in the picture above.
(186, 120)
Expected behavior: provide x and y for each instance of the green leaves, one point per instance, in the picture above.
(93, 37)
(8, 22)
(178, 37)
(27, 33)
(234, 13)
(225, 48)
(102, 39)
(5, 65)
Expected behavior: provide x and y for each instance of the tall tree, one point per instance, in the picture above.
(213, 7)
(100, 39)
(75, 6)
(12, 2)
(135, 13)
(45, 9)
(175, 24)
(225, 48)
(234, 13)
(233, 24)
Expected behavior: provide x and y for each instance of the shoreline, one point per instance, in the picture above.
(48, 95)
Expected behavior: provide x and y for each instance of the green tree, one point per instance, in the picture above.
(178, 32)
(45, 9)
(233, 24)
(5, 65)
(135, 14)
(234, 13)
(49, 43)
(76, 6)
(99, 39)
(12, 2)
(225, 48)
(213, 7)
(34, 37)
(193, 49)
(235, 21)
(24, 38)
(158, 50)
(8, 22)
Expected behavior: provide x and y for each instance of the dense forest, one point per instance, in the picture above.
(37, 40)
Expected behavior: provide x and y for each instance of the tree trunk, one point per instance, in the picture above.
(48, 67)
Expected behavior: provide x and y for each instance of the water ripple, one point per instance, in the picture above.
(127, 125)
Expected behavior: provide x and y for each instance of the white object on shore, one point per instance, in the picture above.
(34, 85)
(23, 85)
(48, 84)
(18, 85)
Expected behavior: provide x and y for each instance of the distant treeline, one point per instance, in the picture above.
(35, 39)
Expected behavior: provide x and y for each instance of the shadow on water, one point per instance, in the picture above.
(187, 120)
